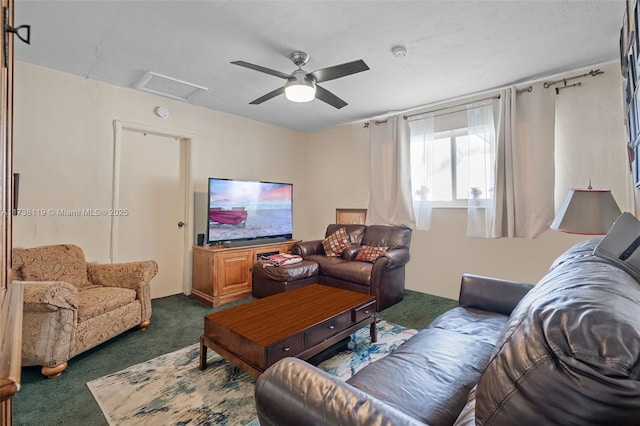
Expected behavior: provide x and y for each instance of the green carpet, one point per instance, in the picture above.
(177, 322)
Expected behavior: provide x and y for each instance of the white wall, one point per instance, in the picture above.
(338, 174)
(63, 150)
(441, 255)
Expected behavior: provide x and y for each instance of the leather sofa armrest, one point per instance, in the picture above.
(396, 257)
(307, 248)
(49, 295)
(293, 392)
(491, 294)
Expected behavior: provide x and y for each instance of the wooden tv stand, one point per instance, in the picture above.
(222, 275)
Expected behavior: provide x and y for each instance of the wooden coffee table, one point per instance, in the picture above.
(298, 323)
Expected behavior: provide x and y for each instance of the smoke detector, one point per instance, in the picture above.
(162, 112)
(399, 51)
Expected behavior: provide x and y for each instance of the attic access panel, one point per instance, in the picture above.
(168, 86)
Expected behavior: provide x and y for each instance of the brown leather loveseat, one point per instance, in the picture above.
(382, 277)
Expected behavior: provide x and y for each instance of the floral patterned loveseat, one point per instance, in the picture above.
(71, 306)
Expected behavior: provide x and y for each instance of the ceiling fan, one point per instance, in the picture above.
(302, 86)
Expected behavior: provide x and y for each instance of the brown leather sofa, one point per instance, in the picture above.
(565, 352)
(383, 278)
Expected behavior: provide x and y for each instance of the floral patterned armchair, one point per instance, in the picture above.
(71, 306)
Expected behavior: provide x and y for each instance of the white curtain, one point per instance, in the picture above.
(390, 201)
(503, 206)
(422, 169)
(532, 155)
(522, 201)
(478, 154)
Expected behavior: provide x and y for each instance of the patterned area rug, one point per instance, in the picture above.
(171, 390)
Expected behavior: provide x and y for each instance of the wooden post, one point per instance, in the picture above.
(10, 295)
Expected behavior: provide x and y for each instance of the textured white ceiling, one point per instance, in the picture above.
(454, 47)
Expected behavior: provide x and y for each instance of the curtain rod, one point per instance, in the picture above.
(591, 73)
(453, 111)
(406, 117)
(376, 122)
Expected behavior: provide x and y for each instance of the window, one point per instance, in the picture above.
(450, 167)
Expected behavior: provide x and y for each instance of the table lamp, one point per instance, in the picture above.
(587, 211)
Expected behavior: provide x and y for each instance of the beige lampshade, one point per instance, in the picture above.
(587, 211)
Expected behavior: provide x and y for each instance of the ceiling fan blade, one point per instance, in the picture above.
(272, 94)
(337, 71)
(326, 96)
(261, 69)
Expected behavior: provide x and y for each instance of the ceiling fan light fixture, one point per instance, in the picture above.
(300, 88)
(300, 92)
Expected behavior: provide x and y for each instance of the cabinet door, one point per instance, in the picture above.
(233, 271)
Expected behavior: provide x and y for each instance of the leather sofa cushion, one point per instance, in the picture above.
(341, 269)
(418, 377)
(386, 236)
(351, 252)
(97, 300)
(324, 262)
(353, 271)
(571, 353)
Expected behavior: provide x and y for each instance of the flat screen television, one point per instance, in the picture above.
(242, 211)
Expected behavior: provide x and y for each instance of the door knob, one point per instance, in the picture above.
(180, 224)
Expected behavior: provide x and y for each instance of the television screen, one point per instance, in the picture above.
(247, 210)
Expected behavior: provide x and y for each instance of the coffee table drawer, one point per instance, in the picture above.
(326, 329)
(290, 347)
(363, 312)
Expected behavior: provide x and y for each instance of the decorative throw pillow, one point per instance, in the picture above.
(335, 243)
(370, 253)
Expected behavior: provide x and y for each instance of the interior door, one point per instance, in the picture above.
(150, 206)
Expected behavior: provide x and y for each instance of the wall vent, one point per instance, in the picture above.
(167, 86)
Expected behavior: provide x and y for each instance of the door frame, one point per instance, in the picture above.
(187, 138)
